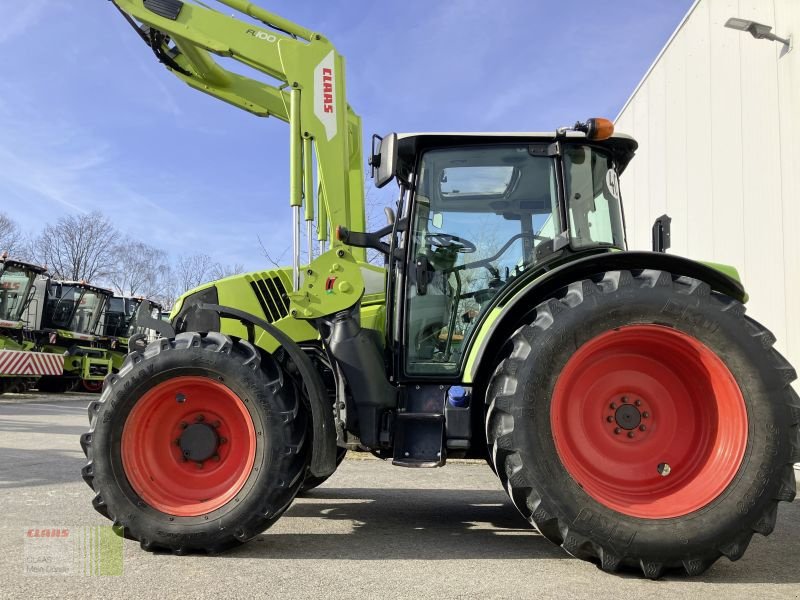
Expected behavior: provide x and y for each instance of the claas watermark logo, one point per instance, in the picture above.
(80, 551)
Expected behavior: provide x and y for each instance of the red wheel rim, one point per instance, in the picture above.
(188, 446)
(92, 386)
(649, 421)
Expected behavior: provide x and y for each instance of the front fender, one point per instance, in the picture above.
(514, 302)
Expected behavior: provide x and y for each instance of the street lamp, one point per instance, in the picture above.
(757, 30)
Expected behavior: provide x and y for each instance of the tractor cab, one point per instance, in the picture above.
(16, 284)
(482, 212)
(74, 308)
(118, 316)
(119, 322)
(135, 329)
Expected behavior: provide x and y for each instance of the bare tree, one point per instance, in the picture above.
(275, 262)
(139, 269)
(77, 247)
(10, 235)
(220, 271)
(191, 270)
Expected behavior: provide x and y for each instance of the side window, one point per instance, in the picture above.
(595, 210)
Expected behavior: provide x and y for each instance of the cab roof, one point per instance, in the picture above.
(85, 285)
(21, 264)
(410, 145)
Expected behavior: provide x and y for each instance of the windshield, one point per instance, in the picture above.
(77, 309)
(119, 316)
(15, 284)
(482, 216)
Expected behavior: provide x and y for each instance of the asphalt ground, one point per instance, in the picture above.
(372, 531)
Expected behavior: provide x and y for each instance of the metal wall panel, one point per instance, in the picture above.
(717, 117)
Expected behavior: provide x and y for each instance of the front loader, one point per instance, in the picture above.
(632, 411)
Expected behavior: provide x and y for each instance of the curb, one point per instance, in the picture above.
(35, 397)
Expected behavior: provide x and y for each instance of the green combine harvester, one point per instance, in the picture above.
(21, 365)
(119, 325)
(632, 411)
(65, 323)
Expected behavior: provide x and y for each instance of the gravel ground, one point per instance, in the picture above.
(373, 531)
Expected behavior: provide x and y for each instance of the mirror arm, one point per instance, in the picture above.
(361, 239)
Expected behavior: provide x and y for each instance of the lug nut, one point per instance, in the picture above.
(610, 419)
(184, 424)
(200, 418)
(642, 428)
(215, 424)
(177, 441)
(223, 440)
(180, 398)
(199, 465)
(216, 457)
(664, 469)
(617, 430)
(638, 402)
(612, 406)
(624, 399)
(645, 414)
(630, 434)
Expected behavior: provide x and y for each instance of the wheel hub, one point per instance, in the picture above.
(199, 442)
(628, 416)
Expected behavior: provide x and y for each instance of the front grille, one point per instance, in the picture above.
(271, 295)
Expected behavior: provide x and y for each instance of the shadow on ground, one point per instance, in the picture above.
(400, 524)
(447, 524)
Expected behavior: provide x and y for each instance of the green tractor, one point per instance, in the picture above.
(20, 364)
(632, 411)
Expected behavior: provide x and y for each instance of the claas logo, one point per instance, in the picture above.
(10, 285)
(327, 90)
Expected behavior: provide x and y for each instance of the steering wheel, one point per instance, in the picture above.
(452, 242)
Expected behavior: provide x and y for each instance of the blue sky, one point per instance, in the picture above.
(89, 120)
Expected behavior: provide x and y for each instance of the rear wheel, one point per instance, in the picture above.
(642, 420)
(198, 444)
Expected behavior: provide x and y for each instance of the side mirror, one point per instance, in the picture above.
(661, 233)
(384, 159)
(437, 220)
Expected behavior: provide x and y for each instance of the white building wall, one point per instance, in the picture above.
(717, 119)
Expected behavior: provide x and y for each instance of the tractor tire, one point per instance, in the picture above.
(311, 482)
(198, 444)
(643, 421)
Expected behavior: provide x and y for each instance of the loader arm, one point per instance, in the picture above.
(308, 93)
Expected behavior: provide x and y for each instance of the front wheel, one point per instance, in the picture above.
(642, 420)
(311, 481)
(198, 444)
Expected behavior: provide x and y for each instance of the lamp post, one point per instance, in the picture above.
(757, 30)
